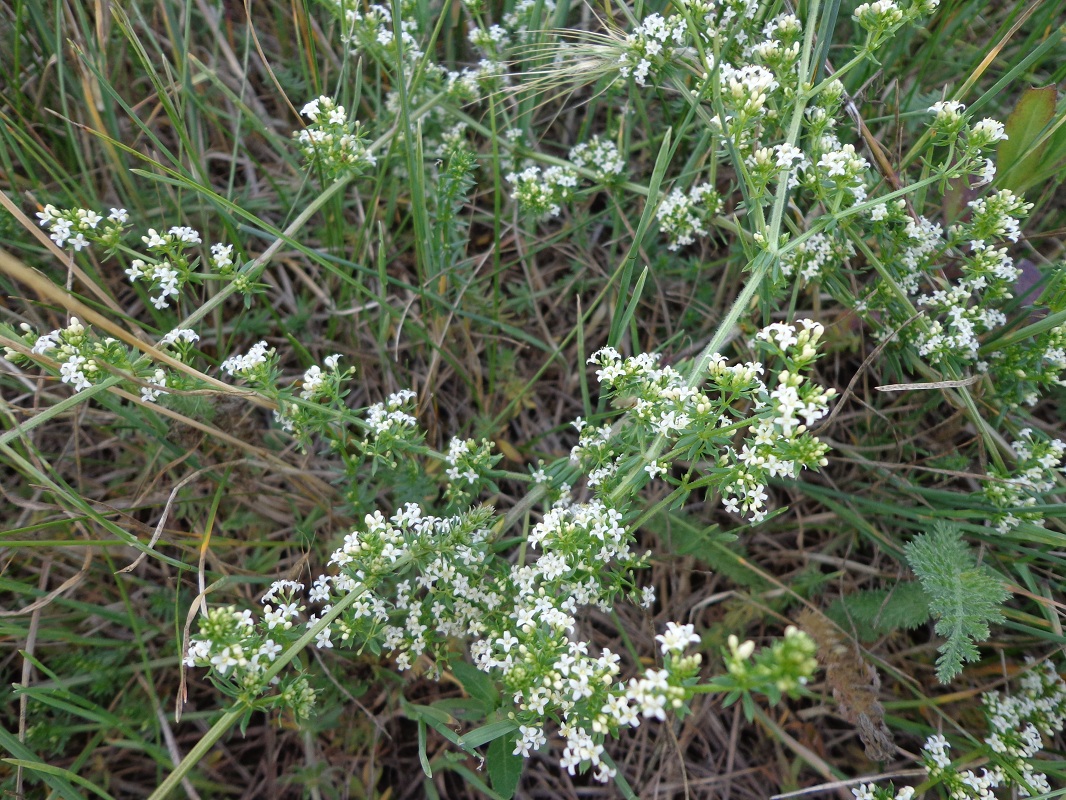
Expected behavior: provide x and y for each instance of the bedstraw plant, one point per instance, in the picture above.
(447, 520)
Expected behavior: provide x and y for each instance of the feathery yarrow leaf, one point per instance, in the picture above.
(964, 596)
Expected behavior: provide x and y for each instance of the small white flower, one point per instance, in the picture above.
(322, 639)
(677, 638)
(311, 109)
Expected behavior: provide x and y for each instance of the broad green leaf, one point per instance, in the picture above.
(505, 768)
(1020, 156)
(477, 684)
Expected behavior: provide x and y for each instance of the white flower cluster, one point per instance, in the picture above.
(248, 364)
(959, 313)
(779, 49)
(684, 217)
(179, 335)
(746, 90)
(662, 403)
(162, 275)
(82, 357)
(540, 192)
(967, 308)
(651, 46)
(1016, 724)
(816, 255)
(314, 379)
(1038, 461)
(492, 41)
(414, 583)
(222, 258)
(473, 83)
(233, 655)
(467, 460)
(391, 417)
(239, 647)
(168, 269)
(179, 338)
(522, 19)
(601, 156)
(522, 616)
(546, 669)
(317, 385)
(331, 142)
(77, 228)
(882, 18)
(767, 164)
(836, 174)
(870, 791)
(449, 598)
(950, 123)
(372, 30)
(72, 348)
(880, 14)
(157, 379)
(717, 21)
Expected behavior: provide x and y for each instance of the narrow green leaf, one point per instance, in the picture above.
(28, 759)
(57, 772)
(423, 759)
(486, 733)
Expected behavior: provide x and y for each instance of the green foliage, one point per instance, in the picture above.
(1037, 145)
(875, 612)
(669, 226)
(454, 185)
(505, 768)
(964, 596)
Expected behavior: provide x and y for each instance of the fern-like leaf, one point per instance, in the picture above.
(873, 613)
(964, 597)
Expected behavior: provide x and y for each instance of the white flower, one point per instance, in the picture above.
(322, 639)
(178, 335)
(647, 597)
(153, 239)
(230, 656)
(71, 371)
(677, 638)
(254, 357)
(988, 131)
(533, 738)
(158, 378)
(947, 110)
(269, 650)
